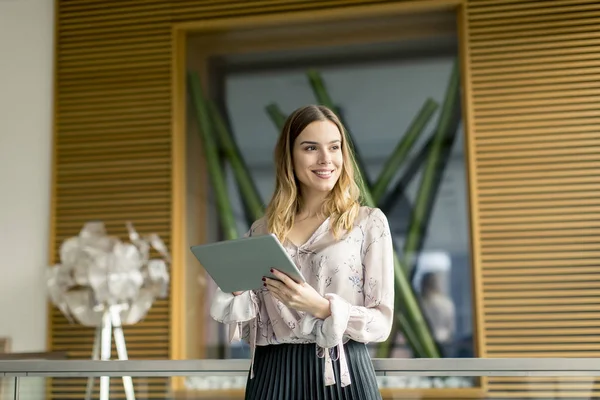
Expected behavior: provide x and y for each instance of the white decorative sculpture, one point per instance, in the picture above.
(105, 283)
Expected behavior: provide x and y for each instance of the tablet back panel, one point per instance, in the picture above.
(240, 264)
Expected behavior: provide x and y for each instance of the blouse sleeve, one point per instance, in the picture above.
(227, 308)
(373, 321)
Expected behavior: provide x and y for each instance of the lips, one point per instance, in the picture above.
(323, 173)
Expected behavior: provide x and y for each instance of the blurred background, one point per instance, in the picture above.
(475, 124)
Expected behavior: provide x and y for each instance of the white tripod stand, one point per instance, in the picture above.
(111, 324)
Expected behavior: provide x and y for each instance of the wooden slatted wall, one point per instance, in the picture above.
(535, 84)
(112, 151)
(113, 140)
(535, 81)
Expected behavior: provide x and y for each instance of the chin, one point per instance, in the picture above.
(325, 187)
(317, 185)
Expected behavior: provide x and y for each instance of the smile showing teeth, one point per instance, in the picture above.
(323, 174)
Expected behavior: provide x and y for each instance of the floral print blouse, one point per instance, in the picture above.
(355, 273)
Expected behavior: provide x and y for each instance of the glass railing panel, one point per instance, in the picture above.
(533, 379)
(227, 387)
(7, 387)
(33, 387)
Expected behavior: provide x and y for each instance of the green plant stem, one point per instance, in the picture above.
(419, 332)
(423, 202)
(405, 295)
(246, 185)
(410, 171)
(426, 187)
(277, 116)
(394, 161)
(211, 154)
(411, 337)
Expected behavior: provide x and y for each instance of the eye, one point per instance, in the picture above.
(335, 147)
(310, 148)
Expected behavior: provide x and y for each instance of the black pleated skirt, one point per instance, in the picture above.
(294, 372)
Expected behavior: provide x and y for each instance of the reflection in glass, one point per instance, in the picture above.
(391, 106)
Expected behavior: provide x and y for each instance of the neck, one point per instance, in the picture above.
(312, 204)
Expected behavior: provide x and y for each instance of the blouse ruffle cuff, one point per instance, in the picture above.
(233, 310)
(330, 337)
(227, 308)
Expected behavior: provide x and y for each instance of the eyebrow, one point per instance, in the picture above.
(309, 142)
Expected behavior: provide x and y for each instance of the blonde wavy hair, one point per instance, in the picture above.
(342, 203)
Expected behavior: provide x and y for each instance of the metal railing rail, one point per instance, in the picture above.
(472, 367)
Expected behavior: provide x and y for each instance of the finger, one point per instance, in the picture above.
(274, 283)
(281, 291)
(281, 294)
(284, 278)
(286, 292)
(277, 295)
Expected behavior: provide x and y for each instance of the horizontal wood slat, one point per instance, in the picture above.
(534, 70)
(534, 28)
(551, 7)
(522, 7)
(521, 22)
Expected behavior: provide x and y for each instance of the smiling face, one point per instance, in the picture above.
(314, 173)
(317, 158)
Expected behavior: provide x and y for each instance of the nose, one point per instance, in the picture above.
(324, 157)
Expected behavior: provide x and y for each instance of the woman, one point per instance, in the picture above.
(307, 341)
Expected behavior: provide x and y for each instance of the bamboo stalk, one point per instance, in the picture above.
(426, 186)
(393, 163)
(410, 171)
(411, 337)
(405, 295)
(250, 195)
(414, 315)
(277, 116)
(444, 129)
(211, 154)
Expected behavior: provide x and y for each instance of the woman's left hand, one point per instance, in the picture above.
(299, 296)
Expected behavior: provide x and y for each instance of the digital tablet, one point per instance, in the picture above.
(240, 264)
